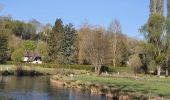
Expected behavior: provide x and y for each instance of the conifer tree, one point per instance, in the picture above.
(67, 46)
(3, 44)
(54, 41)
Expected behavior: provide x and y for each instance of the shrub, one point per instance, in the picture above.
(17, 55)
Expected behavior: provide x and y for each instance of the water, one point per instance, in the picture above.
(38, 88)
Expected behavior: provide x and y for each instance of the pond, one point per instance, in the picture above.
(38, 88)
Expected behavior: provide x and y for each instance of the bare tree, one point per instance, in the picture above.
(114, 29)
(135, 63)
(96, 46)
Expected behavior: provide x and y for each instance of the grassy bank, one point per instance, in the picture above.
(72, 67)
(152, 86)
(11, 69)
(143, 86)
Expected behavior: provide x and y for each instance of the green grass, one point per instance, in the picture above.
(147, 85)
(44, 70)
(28, 68)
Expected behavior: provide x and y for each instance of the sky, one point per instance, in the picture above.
(131, 14)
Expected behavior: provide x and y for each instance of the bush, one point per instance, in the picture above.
(45, 65)
(104, 68)
(78, 67)
(17, 55)
(6, 73)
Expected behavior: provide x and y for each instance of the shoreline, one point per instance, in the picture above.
(101, 89)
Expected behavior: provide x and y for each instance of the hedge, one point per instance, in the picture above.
(77, 67)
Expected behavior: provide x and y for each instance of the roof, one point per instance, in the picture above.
(31, 55)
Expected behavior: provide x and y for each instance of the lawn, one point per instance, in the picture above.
(146, 85)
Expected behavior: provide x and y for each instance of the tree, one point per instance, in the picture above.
(28, 46)
(42, 48)
(157, 6)
(61, 43)
(54, 41)
(5, 31)
(17, 55)
(24, 30)
(122, 51)
(114, 29)
(38, 26)
(97, 47)
(135, 63)
(157, 41)
(47, 29)
(152, 6)
(168, 9)
(3, 44)
(168, 36)
(14, 42)
(81, 34)
(67, 46)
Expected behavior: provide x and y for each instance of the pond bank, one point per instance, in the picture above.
(117, 89)
(36, 69)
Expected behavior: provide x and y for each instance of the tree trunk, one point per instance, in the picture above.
(114, 60)
(167, 72)
(114, 63)
(95, 69)
(135, 71)
(98, 69)
(167, 66)
(158, 70)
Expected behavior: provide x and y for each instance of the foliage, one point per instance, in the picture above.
(17, 55)
(61, 43)
(47, 29)
(4, 33)
(122, 51)
(54, 41)
(157, 42)
(14, 43)
(67, 46)
(28, 45)
(24, 30)
(81, 57)
(135, 62)
(42, 48)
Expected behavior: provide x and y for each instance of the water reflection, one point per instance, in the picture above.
(38, 88)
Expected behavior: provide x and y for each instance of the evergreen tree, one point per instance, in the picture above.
(61, 46)
(5, 30)
(3, 44)
(54, 41)
(67, 49)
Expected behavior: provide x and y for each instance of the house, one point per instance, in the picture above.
(32, 58)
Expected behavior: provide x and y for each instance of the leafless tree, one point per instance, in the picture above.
(135, 63)
(114, 29)
(96, 47)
